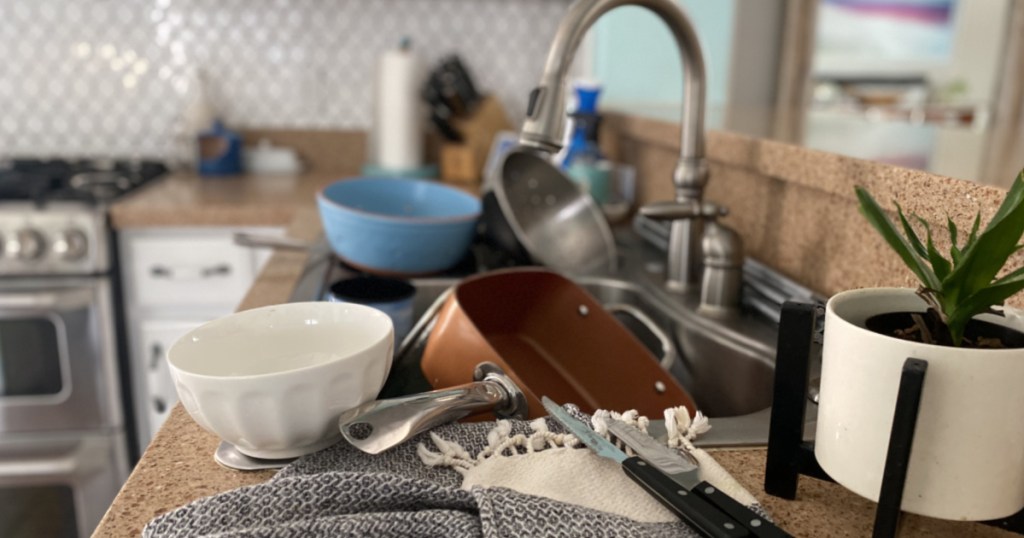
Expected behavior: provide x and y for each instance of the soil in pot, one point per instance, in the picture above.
(978, 334)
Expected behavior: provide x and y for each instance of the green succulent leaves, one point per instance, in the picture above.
(964, 284)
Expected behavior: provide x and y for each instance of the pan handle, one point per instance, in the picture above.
(669, 356)
(269, 241)
(379, 425)
(421, 330)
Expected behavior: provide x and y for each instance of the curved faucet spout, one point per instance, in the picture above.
(545, 120)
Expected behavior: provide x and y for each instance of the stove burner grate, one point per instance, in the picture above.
(89, 181)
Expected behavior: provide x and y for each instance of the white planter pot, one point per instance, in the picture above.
(967, 459)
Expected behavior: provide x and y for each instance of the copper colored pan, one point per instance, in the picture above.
(553, 339)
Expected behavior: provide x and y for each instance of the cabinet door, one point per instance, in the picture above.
(188, 269)
(160, 396)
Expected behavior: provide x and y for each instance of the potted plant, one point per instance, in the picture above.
(967, 459)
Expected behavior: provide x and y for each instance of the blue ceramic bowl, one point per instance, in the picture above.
(398, 226)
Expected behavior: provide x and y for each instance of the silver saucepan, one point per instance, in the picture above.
(539, 215)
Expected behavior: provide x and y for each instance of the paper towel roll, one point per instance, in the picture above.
(398, 131)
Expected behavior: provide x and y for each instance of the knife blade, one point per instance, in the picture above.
(685, 473)
(698, 513)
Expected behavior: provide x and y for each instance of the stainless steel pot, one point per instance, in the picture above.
(535, 211)
(498, 232)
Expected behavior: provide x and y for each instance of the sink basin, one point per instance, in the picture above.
(727, 373)
(726, 364)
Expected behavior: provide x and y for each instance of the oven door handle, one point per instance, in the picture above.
(74, 459)
(63, 300)
(61, 466)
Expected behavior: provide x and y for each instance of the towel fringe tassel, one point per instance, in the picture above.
(682, 430)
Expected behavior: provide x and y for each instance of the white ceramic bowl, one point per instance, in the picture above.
(273, 381)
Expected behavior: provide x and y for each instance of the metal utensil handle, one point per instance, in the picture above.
(377, 426)
(421, 329)
(269, 241)
(703, 517)
(668, 349)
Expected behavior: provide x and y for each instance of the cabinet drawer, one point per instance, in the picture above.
(200, 269)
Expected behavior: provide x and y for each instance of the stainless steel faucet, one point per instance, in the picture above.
(689, 247)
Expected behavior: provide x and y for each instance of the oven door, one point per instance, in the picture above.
(58, 485)
(58, 362)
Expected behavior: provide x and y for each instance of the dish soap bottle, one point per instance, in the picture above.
(584, 163)
(220, 151)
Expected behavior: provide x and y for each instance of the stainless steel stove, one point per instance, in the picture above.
(59, 238)
(64, 448)
(53, 214)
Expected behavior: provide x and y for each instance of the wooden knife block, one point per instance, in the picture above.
(462, 163)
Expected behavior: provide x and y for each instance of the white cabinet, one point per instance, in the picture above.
(174, 280)
(155, 337)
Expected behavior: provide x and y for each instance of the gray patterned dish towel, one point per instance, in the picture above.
(526, 479)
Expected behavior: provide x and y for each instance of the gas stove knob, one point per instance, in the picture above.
(71, 245)
(28, 244)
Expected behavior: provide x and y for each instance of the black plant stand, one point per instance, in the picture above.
(789, 456)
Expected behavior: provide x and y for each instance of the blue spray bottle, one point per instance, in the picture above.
(583, 161)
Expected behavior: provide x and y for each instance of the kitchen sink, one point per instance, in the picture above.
(727, 373)
(726, 363)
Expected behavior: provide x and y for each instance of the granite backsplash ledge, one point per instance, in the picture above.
(795, 207)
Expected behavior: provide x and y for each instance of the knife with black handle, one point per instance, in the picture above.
(698, 513)
(684, 473)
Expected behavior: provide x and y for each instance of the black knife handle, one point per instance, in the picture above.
(757, 525)
(703, 517)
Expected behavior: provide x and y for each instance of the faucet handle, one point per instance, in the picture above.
(722, 250)
(689, 209)
(723, 270)
(688, 217)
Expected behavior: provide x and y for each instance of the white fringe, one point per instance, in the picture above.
(500, 441)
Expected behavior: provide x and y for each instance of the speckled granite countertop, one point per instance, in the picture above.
(183, 199)
(178, 465)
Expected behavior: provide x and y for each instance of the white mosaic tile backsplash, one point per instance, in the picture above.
(111, 77)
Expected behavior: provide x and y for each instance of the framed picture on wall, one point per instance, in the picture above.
(884, 34)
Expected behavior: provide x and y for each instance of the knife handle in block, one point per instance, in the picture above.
(757, 525)
(703, 517)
